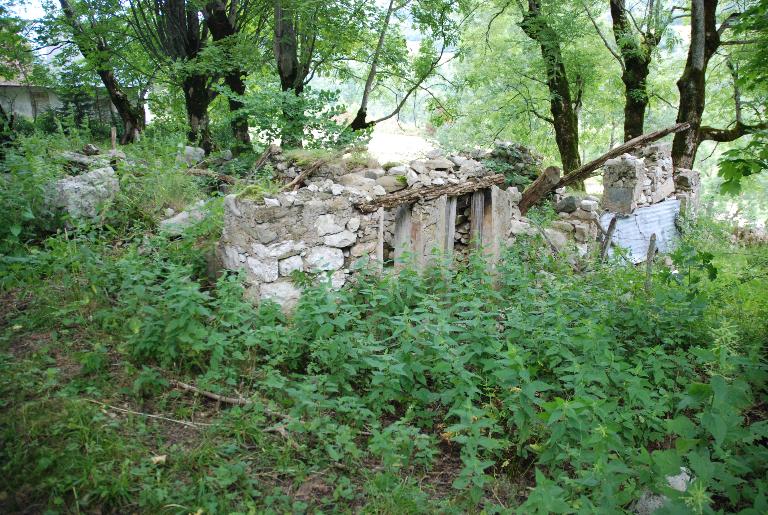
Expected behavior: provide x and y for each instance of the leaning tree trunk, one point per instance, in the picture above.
(692, 84)
(360, 123)
(636, 58)
(131, 116)
(94, 52)
(197, 97)
(221, 27)
(566, 122)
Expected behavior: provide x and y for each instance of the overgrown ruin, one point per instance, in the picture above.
(341, 220)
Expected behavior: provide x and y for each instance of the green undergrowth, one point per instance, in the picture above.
(532, 388)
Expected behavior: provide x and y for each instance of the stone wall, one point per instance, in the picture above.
(632, 181)
(634, 188)
(318, 229)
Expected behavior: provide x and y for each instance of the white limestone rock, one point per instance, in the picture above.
(353, 224)
(374, 173)
(411, 177)
(326, 224)
(517, 227)
(378, 190)
(283, 293)
(278, 250)
(178, 223)
(649, 503)
(340, 240)
(439, 163)
(82, 195)
(191, 155)
(290, 264)
(558, 238)
(337, 189)
(262, 270)
(391, 183)
(271, 202)
(338, 279)
(324, 258)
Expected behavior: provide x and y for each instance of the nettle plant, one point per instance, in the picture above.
(591, 383)
(580, 377)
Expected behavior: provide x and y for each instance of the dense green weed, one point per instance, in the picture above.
(586, 387)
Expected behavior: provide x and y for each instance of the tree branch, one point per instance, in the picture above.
(739, 129)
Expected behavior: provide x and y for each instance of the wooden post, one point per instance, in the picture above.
(113, 137)
(476, 218)
(608, 236)
(649, 262)
(380, 242)
(401, 235)
(450, 225)
(417, 239)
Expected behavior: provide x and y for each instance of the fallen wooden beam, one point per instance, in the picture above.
(543, 184)
(410, 196)
(585, 171)
(537, 190)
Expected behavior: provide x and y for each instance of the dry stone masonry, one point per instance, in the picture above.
(340, 220)
(320, 227)
(631, 181)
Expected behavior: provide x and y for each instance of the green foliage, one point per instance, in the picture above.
(310, 116)
(738, 163)
(593, 385)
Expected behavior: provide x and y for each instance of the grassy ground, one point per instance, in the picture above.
(537, 389)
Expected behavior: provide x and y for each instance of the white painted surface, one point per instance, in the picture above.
(633, 232)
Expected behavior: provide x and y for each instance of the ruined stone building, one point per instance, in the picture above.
(440, 206)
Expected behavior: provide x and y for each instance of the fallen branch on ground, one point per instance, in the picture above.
(196, 425)
(237, 401)
(240, 401)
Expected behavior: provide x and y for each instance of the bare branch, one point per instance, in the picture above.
(605, 41)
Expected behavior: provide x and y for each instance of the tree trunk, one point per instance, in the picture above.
(692, 84)
(221, 27)
(131, 116)
(286, 48)
(636, 58)
(359, 122)
(196, 100)
(564, 114)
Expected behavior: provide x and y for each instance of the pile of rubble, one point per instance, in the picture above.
(93, 184)
(523, 164)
